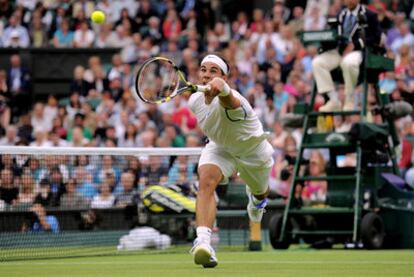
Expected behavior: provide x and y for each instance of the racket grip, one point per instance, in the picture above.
(203, 88)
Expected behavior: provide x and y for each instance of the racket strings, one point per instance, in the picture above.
(158, 81)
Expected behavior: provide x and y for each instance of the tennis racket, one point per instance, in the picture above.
(159, 80)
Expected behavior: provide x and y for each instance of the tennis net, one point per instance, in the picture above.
(62, 202)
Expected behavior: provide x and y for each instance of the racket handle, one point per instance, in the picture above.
(203, 88)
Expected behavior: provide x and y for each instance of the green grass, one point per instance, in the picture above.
(290, 263)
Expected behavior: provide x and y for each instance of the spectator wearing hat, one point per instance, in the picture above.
(15, 35)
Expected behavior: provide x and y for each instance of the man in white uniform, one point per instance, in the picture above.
(237, 142)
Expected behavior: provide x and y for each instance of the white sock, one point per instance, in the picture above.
(253, 198)
(204, 233)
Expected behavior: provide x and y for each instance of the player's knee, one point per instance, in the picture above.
(207, 186)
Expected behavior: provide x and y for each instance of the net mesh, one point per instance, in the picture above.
(61, 202)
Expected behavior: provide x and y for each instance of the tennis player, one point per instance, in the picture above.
(237, 142)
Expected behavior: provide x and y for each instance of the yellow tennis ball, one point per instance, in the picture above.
(98, 17)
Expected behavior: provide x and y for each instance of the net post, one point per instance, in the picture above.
(255, 237)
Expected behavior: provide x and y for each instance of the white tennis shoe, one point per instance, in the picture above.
(203, 254)
(255, 211)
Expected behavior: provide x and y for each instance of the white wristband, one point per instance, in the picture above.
(226, 91)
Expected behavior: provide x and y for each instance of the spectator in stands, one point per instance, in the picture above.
(108, 167)
(33, 168)
(125, 194)
(39, 221)
(83, 37)
(11, 137)
(58, 16)
(394, 32)
(79, 121)
(145, 12)
(71, 198)
(79, 84)
(405, 161)
(55, 140)
(51, 107)
(134, 166)
(40, 120)
(18, 78)
(315, 191)
(57, 186)
(38, 31)
(152, 30)
(121, 37)
(25, 128)
(181, 167)
(5, 113)
(45, 196)
(126, 17)
(8, 189)
(84, 6)
(405, 37)
(105, 37)
(86, 188)
(109, 8)
(15, 35)
(63, 37)
(282, 170)
(171, 25)
(153, 170)
(314, 21)
(26, 194)
(171, 133)
(105, 198)
(40, 138)
(78, 138)
(129, 139)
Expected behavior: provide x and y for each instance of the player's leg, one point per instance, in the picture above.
(257, 189)
(214, 167)
(255, 170)
(210, 176)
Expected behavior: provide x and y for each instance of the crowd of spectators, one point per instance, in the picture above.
(269, 66)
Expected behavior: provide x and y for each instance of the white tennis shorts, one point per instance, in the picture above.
(254, 168)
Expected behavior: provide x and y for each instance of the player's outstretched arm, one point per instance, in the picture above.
(220, 88)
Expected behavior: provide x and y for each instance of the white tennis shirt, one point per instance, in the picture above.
(237, 131)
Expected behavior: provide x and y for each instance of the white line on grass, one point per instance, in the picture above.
(163, 262)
